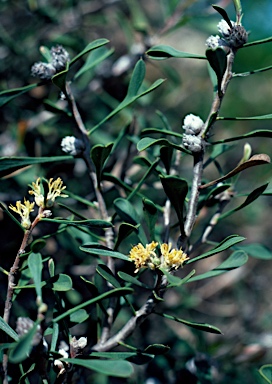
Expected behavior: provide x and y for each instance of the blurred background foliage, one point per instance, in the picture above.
(239, 302)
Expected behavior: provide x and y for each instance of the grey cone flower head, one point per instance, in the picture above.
(192, 142)
(234, 36)
(59, 60)
(72, 145)
(192, 124)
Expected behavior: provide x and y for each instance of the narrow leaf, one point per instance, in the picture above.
(262, 41)
(175, 281)
(218, 61)
(261, 117)
(252, 162)
(200, 326)
(176, 190)
(92, 223)
(114, 292)
(124, 231)
(257, 133)
(223, 13)
(256, 250)
(137, 79)
(100, 250)
(22, 348)
(35, 266)
(93, 60)
(230, 241)
(8, 330)
(147, 142)
(10, 94)
(79, 316)
(105, 367)
(93, 45)
(126, 211)
(162, 52)
(236, 260)
(60, 79)
(107, 274)
(99, 155)
(132, 280)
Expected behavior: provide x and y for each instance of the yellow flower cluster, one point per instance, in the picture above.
(147, 257)
(55, 188)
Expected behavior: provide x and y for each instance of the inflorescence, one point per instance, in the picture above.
(148, 257)
(233, 36)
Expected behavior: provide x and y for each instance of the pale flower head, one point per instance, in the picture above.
(172, 258)
(24, 211)
(213, 42)
(224, 28)
(38, 192)
(144, 256)
(72, 145)
(192, 124)
(55, 188)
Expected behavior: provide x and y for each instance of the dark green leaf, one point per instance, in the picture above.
(8, 330)
(262, 41)
(157, 349)
(200, 326)
(134, 357)
(100, 250)
(252, 162)
(93, 45)
(151, 215)
(37, 245)
(114, 292)
(148, 131)
(176, 190)
(261, 117)
(256, 250)
(228, 242)
(132, 280)
(10, 94)
(107, 274)
(161, 52)
(79, 316)
(63, 283)
(236, 260)
(106, 367)
(35, 266)
(22, 348)
(223, 13)
(60, 79)
(11, 164)
(266, 372)
(257, 133)
(99, 154)
(137, 79)
(93, 59)
(147, 142)
(253, 72)
(175, 281)
(126, 211)
(218, 61)
(92, 223)
(166, 154)
(125, 230)
(250, 198)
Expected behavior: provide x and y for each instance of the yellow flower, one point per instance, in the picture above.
(172, 258)
(55, 189)
(37, 192)
(143, 256)
(24, 211)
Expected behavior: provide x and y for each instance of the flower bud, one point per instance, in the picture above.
(43, 71)
(60, 57)
(192, 124)
(192, 142)
(72, 145)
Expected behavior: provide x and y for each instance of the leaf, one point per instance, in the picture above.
(132, 280)
(11, 164)
(236, 260)
(79, 316)
(99, 155)
(175, 281)
(46, 53)
(93, 45)
(60, 79)
(8, 330)
(126, 211)
(106, 367)
(147, 142)
(261, 117)
(166, 155)
(266, 372)
(37, 245)
(137, 357)
(176, 190)
(100, 250)
(238, 7)
(35, 266)
(257, 133)
(162, 52)
(223, 13)
(131, 96)
(252, 162)
(218, 61)
(262, 41)
(157, 349)
(148, 131)
(93, 59)
(10, 94)
(114, 292)
(250, 198)
(23, 347)
(228, 242)
(107, 274)
(64, 283)
(253, 72)
(200, 326)
(256, 250)
(151, 215)
(124, 231)
(91, 223)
